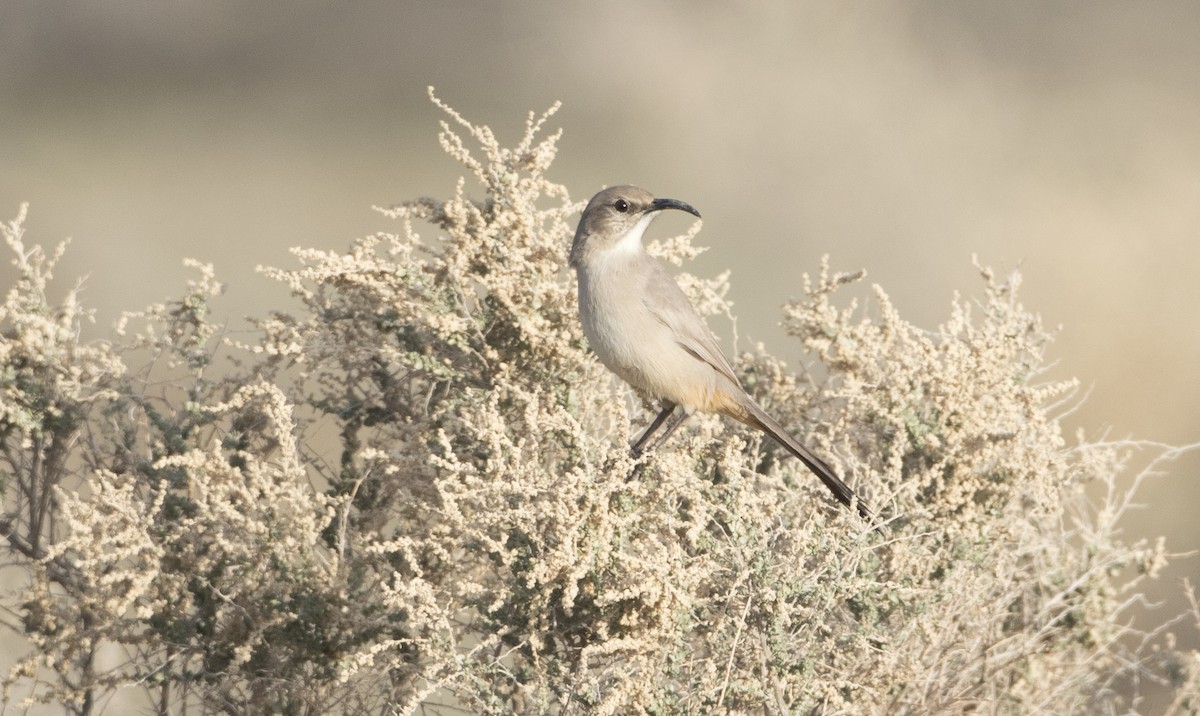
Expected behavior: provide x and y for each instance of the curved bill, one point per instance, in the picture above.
(660, 204)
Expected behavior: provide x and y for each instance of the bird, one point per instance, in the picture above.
(642, 327)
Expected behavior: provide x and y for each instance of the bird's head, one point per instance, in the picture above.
(615, 220)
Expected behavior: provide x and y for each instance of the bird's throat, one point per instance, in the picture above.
(631, 243)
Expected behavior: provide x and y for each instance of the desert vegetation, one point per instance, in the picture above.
(413, 493)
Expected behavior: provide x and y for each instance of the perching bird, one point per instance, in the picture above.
(644, 329)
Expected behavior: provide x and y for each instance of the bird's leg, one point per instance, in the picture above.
(668, 408)
(683, 415)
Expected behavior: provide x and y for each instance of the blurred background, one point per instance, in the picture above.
(1063, 139)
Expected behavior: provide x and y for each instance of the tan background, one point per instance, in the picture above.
(900, 138)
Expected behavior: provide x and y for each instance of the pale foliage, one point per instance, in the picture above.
(415, 495)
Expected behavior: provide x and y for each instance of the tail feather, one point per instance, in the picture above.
(758, 418)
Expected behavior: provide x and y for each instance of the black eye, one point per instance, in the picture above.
(621, 205)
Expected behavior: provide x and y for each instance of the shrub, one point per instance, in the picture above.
(414, 494)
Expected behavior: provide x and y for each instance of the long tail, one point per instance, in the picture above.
(756, 417)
